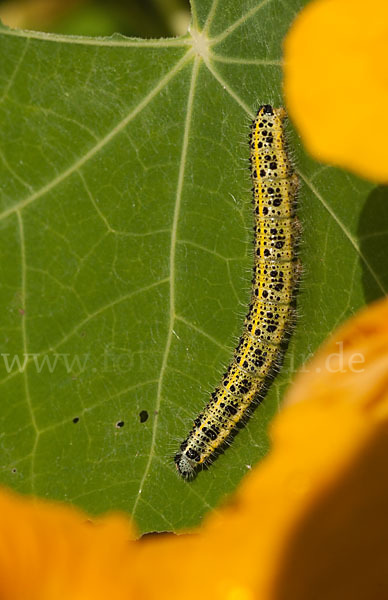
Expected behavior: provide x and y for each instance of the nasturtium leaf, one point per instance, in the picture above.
(126, 254)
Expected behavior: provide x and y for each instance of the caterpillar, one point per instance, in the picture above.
(275, 276)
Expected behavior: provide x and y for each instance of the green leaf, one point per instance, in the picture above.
(126, 254)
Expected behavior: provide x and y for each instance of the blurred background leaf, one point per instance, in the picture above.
(138, 18)
(126, 247)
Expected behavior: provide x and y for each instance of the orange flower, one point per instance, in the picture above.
(336, 83)
(308, 522)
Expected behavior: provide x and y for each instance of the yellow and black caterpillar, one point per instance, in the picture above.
(270, 310)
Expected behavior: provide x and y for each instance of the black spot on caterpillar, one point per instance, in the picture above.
(270, 311)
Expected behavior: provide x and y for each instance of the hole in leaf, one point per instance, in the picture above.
(143, 416)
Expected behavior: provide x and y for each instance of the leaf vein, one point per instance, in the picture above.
(174, 232)
(103, 142)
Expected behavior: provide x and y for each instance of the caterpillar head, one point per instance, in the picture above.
(186, 467)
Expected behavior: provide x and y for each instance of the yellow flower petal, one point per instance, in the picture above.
(53, 552)
(308, 522)
(336, 83)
